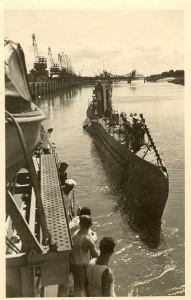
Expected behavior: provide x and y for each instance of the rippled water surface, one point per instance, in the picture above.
(139, 269)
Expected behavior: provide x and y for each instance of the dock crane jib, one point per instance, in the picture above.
(54, 67)
(62, 65)
(60, 61)
(63, 60)
(40, 62)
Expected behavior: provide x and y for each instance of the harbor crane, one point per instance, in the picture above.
(80, 73)
(54, 67)
(65, 65)
(61, 61)
(69, 67)
(62, 64)
(40, 62)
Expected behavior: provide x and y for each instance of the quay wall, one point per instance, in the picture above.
(44, 87)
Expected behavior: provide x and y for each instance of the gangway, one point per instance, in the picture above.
(53, 203)
(37, 269)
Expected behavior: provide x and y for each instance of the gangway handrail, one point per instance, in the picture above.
(29, 241)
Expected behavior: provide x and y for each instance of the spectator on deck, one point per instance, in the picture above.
(84, 247)
(127, 129)
(47, 144)
(62, 172)
(127, 125)
(112, 121)
(142, 118)
(99, 276)
(108, 113)
(142, 123)
(136, 135)
(75, 223)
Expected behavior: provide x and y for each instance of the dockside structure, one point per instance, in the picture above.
(43, 87)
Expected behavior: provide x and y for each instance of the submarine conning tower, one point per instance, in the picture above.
(103, 96)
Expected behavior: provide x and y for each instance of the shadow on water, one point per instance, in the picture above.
(131, 210)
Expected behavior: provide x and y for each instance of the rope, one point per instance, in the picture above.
(153, 145)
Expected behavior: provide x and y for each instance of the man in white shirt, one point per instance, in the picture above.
(46, 141)
(83, 248)
(75, 223)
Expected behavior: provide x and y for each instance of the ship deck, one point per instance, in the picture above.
(148, 154)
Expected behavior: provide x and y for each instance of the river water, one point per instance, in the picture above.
(139, 269)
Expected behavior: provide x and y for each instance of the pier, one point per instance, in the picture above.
(40, 88)
(44, 87)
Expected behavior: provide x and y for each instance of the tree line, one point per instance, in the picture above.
(171, 73)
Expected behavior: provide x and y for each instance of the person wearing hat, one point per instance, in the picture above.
(99, 276)
(47, 144)
(83, 248)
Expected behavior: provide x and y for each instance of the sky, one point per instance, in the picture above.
(118, 40)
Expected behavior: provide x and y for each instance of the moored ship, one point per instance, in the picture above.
(126, 143)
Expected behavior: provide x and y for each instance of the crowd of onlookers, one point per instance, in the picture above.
(134, 132)
(88, 265)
